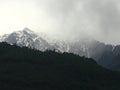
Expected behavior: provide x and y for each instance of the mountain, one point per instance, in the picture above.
(42, 42)
(105, 55)
(26, 38)
(111, 58)
(30, 39)
(28, 69)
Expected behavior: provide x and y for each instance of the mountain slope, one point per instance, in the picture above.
(26, 69)
(30, 39)
(111, 58)
(105, 55)
(26, 38)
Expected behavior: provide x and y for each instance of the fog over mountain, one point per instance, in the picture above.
(105, 55)
(67, 19)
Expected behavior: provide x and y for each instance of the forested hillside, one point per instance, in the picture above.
(27, 69)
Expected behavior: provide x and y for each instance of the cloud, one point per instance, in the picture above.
(107, 13)
(69, 18)
(96, 18)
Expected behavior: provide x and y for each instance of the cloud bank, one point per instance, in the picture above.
(99, 19)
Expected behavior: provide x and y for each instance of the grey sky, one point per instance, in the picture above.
(99, 19)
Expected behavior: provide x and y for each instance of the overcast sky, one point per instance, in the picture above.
(99, 19)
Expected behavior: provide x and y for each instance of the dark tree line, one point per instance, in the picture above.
(27, 69)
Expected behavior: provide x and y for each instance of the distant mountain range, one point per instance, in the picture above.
(106, 55)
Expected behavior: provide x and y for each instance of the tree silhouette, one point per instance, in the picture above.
(29, 69)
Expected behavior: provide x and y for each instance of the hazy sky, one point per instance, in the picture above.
(99, 19)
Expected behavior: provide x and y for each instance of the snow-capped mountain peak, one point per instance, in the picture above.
(28, 38)
(104, 54)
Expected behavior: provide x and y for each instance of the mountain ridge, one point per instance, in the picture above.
(90, 48)
(28, 69)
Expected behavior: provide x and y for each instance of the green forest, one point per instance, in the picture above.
(22, 68)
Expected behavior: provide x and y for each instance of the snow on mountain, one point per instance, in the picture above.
(26, 38)
(104, 54)
(43, 42)
(38, 41)
(87, 47)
